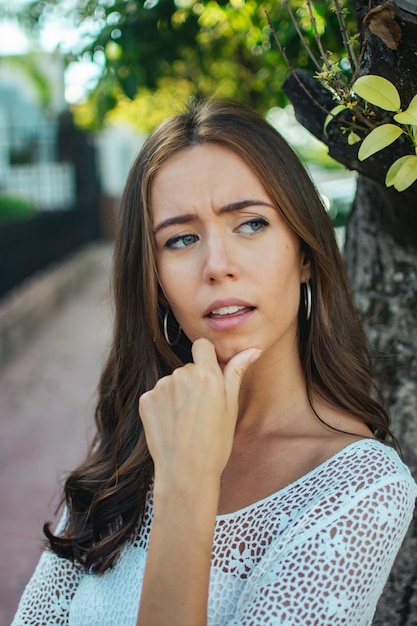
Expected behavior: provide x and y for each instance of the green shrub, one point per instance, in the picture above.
(13, 208)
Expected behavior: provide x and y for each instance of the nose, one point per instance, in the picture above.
(220, 261)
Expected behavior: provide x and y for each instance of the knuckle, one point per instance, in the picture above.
(239, 371)
(161, 384)
(144, 398)
(178, 374)
(208, 378)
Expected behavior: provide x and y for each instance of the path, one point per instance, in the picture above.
(46, 407)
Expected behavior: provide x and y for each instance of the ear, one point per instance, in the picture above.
(305, 267)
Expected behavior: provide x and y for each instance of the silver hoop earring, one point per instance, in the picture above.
(307, 299)
(167, 339)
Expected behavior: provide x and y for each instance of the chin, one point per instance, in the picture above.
(224, 354)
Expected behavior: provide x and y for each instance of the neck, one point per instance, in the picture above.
(273, 393)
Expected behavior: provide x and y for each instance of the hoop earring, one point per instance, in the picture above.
(167, 339)
(307, 299)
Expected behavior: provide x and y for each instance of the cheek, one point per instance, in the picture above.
(175, 286)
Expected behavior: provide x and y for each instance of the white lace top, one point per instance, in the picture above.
(316, 552)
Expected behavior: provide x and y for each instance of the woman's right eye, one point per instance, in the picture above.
(181, 241)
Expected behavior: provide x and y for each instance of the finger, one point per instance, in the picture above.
(235, 371)
(203, 351)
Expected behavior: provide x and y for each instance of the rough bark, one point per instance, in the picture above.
(381, 259)
(384, 279)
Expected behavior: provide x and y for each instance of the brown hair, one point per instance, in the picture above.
(105, 495)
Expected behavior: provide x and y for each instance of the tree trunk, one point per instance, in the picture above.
(384, 279)
(381, 260)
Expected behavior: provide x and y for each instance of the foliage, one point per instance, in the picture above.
(172, 49)
(13, 208)
(382, 93)
(31, 66)
(38, 78)
(366, 99)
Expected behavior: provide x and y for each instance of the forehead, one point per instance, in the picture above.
(204, 175)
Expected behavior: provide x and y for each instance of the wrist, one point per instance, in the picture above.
(190, 494)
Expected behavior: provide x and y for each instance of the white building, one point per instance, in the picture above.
(31, 100)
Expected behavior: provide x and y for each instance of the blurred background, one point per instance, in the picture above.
(81, 85)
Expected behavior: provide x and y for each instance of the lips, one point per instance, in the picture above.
(227, 316)
(227, 309)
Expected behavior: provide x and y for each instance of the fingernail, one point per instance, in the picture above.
(255, 356)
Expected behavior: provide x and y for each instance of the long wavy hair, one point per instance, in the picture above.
(105, 496)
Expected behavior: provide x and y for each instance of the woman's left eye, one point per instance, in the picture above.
(180, 241)
(253, 226)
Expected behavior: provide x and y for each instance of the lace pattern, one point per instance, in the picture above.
(316, 552)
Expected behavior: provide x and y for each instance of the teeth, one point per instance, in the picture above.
(227, 310)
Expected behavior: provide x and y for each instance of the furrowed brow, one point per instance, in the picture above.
(191, 217)
(242, 204)
(175, 220)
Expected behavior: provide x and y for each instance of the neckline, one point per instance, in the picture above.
(358, 443)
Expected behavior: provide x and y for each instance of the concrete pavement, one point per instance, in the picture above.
(47, 397)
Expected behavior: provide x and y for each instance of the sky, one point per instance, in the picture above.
(79, 76)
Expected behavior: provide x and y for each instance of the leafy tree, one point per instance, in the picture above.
(170, 50)
(373, 131)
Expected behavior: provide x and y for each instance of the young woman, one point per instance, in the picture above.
(240, 473)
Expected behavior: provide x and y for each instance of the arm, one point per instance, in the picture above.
(175, 586)
(332, 572)
(189, 420)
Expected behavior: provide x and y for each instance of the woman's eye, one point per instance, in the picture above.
(253, 226)
(181, 241)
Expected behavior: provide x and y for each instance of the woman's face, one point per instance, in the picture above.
(228, 264)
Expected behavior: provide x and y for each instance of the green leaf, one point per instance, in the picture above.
(394, 169)
(409, 116)
(379, 138)
(353, 138)
(330, 117)
(402, 173)
(379, 91)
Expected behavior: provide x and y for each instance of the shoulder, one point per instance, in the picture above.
(373, 461)
(365, 468)
(370, 469)
(367, 462)
(365, 485)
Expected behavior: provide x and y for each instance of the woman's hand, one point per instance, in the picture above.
(190, 416)
(189, 420)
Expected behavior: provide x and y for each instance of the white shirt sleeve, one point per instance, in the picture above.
(47, 597)
(332, 572)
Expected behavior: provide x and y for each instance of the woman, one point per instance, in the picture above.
(255, 487)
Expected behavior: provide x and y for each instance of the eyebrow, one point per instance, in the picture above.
(227, 208)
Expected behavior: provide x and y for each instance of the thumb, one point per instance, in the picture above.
(235, 370)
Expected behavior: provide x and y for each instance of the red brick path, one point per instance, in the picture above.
(47, 398)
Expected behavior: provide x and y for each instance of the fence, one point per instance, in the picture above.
(55, 170)
(47, 186)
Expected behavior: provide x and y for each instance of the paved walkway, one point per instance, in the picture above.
(46, 408)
